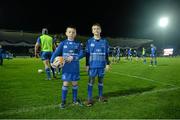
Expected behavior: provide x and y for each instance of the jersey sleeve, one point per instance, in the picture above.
(107, 53)
(87, 53)
(38, 40)
(57, 52)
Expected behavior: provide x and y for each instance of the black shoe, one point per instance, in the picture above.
(62, 105)
(78, 102)
(89, 103)
(102, 99)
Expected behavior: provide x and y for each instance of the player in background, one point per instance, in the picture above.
(97, 60)
(118, 54)
(114, 55)
(130, 54)
(72, 52)
(153, 55)
(45, 46)
(144, 55)
(1, 57)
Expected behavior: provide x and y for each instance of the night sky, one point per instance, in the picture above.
(119, 18)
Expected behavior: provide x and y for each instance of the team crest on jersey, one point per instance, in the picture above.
(65, 46)
(92, 45)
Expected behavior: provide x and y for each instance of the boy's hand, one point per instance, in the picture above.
(107, 68)
(87, 68)
(69, 58)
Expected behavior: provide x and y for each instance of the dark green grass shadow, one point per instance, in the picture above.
(127, 92)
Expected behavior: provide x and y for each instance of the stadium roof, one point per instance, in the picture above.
(17, 38)
(129, 42)
(20, 38)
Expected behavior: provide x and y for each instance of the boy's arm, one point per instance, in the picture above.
(87, 53)
(87, 56)
(107, 53)
(80, 54)
(37, 47)
(107, 56)
(58, 52)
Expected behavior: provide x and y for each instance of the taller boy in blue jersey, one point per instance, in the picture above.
(71, 50)
(96, 61)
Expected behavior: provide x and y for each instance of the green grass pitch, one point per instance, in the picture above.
(134, 90)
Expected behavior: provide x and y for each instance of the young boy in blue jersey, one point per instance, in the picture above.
(96, 61)
(46, 44)
(71, 50)
(153, 55)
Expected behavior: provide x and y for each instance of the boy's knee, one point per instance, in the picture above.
(65, 83)
(91, 80)
(100, 80)
(74, 83)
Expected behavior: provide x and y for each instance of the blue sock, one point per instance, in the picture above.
(64, 93)
(100, 88)
(74, 92)
(48, 73)
(90, 87)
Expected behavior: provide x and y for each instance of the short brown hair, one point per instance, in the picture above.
(71, 26)
(97, 24)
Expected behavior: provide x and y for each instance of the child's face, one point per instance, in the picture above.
(96, 30)
(71, 33)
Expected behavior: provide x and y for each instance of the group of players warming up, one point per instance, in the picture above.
(69, 52)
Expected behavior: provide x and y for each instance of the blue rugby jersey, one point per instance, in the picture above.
(153, 51)
(97, 53)
(69, 48)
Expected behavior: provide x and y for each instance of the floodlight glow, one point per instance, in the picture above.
(163, 22)
(168, 51)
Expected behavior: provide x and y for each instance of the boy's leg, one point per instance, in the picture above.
(64, 93)
(90, 87)
(47, 69)
(74, 91)
(100, 86)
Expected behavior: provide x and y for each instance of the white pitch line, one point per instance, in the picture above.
(143, 78)
(11, 112)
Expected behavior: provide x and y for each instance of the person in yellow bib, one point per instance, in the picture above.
(46, 45)
(144, 55)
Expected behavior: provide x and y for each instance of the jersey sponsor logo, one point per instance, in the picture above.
(92, 45)
(65, 46)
